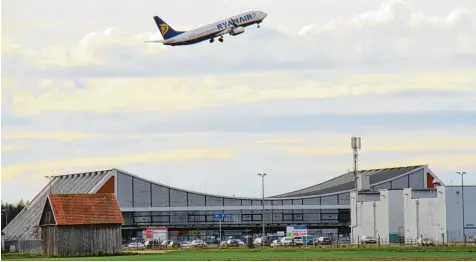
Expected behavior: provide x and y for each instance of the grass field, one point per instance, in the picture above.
(383, 253)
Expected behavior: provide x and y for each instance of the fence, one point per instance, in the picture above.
(400, 240)
(35, 246)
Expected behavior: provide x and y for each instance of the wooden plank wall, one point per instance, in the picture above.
(47, 217)
(49, 235)
(90, 240)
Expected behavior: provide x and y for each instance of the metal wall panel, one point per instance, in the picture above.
(124, 190)
(382, 186)
(344, 199)
(214, 201)
(311, 201)
(232, 202)
(178, 198)
(257, 203)
(417, 180)
(400, 183)
(196, 200)
(329, 200)
(142, 193)
(160, 196)
(246, 202)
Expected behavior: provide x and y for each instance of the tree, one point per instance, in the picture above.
(9, 211)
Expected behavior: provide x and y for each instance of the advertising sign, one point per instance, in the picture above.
(157, 233)
(294, 231)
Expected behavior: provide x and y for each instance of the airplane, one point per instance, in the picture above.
(234, 26)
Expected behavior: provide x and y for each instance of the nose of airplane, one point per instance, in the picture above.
(264, 14)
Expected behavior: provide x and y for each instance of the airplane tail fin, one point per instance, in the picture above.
(165, 29)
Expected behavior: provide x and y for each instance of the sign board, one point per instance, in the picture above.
(294, 231)
(157, 233)
(219, 216)
(280, 233)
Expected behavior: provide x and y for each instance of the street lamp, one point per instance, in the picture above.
(262, 202)
(462, 201)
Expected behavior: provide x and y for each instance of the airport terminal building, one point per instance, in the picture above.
(324, 208)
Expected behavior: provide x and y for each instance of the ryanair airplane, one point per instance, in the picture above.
(234, 26)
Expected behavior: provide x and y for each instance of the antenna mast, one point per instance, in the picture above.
(356, 146)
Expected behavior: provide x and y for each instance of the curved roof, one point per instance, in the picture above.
(338, 184)
(346, 182)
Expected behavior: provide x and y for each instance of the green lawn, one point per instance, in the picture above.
(384, 253)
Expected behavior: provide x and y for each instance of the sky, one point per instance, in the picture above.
(81, 91)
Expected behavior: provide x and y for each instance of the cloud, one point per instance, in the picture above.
(411, 141)
(101, 162)
(12, 148)
(392, 35)
(66, 136)
(441, 161)
(106, 95)
(114, 71)
(279, 141)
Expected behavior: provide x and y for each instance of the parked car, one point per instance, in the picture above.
(174, 244)
(164, 244)
(424, 241)
(186, 244)
(368, 240)
(198, 243)
(287, 241)
(262, 241)
(324, 241)
(152, 243)
(136, 245)
(308, 239)
(267, 240)
(276, 242)
(234, 243)
(298, 240)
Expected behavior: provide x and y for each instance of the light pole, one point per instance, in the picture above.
(356, 146)
(262, 202)
(462, 201)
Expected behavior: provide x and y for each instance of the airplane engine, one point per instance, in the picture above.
(237, 31)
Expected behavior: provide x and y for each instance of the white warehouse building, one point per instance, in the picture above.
(436, 213)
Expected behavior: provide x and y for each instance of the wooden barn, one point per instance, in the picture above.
(81, 225)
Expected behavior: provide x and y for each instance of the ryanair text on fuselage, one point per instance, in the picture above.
(238, 21)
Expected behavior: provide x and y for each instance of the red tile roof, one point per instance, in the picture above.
(85, 209)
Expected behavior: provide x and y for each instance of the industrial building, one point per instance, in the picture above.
(324, 208)
(409, 214)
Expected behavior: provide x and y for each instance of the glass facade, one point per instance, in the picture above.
(178, 208)
(237, 217)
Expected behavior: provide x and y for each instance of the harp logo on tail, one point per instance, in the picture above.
(164, 28)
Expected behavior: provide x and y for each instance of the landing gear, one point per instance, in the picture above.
(212, 40)
(220, 39)
(258, 25)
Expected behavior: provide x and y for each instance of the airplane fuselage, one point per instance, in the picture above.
(218, 29)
